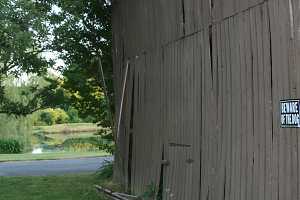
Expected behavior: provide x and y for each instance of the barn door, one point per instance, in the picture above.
(178, 172)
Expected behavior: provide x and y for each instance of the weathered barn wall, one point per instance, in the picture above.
(203, 90)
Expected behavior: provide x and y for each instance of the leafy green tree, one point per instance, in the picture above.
(82, 35)
(35, 94)
(24, 37)
(80, 31)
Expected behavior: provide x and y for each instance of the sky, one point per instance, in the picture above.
(58, 62)
(48, 55)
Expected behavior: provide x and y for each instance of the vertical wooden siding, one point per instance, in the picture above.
(147, 140)
(204, 85)
(182, 86)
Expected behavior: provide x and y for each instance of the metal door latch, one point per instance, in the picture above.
(189, 161)
(165, 162)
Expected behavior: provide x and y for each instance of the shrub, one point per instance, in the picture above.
(89, 119)
(61, 116)
(10, 146)
(53, 116)
(106, 171)
(47, 118)
(106, 143)
(81, 144)
(17, 128)
(73, 115)
(151, 192)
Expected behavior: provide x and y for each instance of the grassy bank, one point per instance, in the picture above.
(70, 187)
(19, 129)
(63, 141)
(80, 137)
(67, 128)
(49, 156)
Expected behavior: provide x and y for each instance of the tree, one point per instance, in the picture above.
(24, 36)
(37, 93)
(82, 34)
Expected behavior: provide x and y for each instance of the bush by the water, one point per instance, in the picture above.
(10, 146)
(95, 143)
(52, 116)
(82, 144)
(18, 128)
(107, 140)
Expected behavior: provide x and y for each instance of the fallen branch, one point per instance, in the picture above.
(115, 195)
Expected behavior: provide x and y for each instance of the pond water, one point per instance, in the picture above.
(50, 143)
(37, 151)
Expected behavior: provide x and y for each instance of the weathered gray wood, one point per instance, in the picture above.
(295, 57)
(274, 90)
(220, 176)
(234, 98)
(243, 109)
(267, 103)
(256, 109)
(210, 75)
(227, 119)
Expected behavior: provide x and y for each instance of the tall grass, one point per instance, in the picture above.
(12, 127)
(17, 128)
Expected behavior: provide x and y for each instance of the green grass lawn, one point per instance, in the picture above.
(63, 137)
(67, 128)
(69, 187)
(49, 156)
